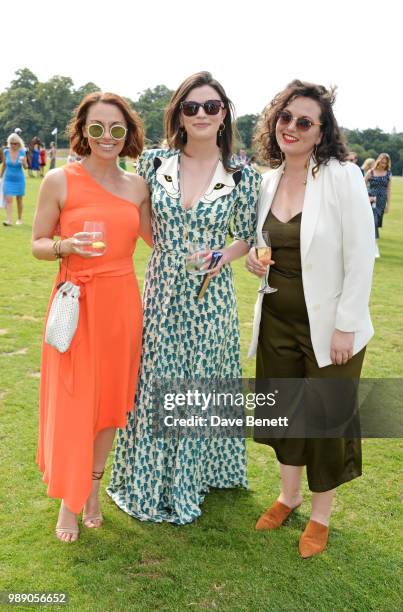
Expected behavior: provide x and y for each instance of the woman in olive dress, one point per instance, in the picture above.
(196, 193)
(315, 207)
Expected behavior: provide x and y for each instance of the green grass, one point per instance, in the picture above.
(219, 562)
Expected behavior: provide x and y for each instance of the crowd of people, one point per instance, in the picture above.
(311, 208)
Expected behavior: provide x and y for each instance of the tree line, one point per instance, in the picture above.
(36, 108)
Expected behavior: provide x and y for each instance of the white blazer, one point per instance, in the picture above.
(337, 254)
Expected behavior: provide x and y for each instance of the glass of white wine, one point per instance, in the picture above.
(95, 231)
(195, 258)
(263, 253)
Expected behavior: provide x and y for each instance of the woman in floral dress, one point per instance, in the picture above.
(196, 194)
(379, 180)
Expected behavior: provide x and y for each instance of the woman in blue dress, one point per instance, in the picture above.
(196, 194)
(35, 166)
(378, 181)
(12, 172)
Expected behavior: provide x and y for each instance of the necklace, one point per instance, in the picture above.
(306, 165)
(202, 192)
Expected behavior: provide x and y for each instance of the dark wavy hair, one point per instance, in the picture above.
(172, 115)
(134, 141)
(332, 144)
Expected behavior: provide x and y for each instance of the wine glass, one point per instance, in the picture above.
(263, 253)
(95, 231)
(195, 259)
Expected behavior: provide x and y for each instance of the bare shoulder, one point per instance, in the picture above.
(55, 178)
(138, 185)
(53, 189)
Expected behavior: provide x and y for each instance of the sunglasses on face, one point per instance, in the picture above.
(301, 123)
(97, 130)
(210, 107)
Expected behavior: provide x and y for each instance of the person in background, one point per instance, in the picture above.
(253, 162)
(52, 156)
(42, 159)
(12, 171)
(315, 207)
(122, 163)
(379, 181)
(35, 160)
(352, 157)
(28, 155)
(72, 157)
(242, 158)
(367, 165)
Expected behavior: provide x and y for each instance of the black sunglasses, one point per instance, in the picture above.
(301, 123)
(210, 107)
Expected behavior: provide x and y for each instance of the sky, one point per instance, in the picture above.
(254, 48)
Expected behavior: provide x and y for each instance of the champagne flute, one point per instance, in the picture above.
(263, 253)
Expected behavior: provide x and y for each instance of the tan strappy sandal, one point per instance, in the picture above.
(89, 520)
(73, 531)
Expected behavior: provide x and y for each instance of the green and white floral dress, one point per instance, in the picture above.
(166, 479)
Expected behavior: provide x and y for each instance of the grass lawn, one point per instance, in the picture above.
(219, 562)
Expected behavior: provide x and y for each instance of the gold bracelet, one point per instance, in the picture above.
(56, 249)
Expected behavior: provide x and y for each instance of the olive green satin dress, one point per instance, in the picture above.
(285, 351)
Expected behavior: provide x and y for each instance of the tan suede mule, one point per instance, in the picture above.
(313, 540)
(274, 516)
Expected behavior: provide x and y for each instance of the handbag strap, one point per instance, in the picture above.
(60, 272)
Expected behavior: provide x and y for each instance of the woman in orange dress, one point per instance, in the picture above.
(87, 391)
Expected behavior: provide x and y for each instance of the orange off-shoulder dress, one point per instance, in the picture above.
(91, 387)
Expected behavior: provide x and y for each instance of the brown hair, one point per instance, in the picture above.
(135, 132)
(379, 159)
(172, 115)
(332, 143)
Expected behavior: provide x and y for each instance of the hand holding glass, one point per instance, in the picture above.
(263, 253)
(195, 258)
(94, 231)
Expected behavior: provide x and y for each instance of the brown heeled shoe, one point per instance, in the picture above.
(313, 540)
(274, 516)
(93, 521)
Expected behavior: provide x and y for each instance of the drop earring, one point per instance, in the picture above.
(220, 132)
(183, 135)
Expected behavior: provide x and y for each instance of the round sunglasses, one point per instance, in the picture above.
(97, 130)
(301, 123)
(210, 107)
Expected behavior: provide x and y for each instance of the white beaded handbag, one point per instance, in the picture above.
(63, 316)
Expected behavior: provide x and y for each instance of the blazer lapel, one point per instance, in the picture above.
(266, 198)
(310, 211)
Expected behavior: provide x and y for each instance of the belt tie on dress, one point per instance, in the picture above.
(85, 279)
